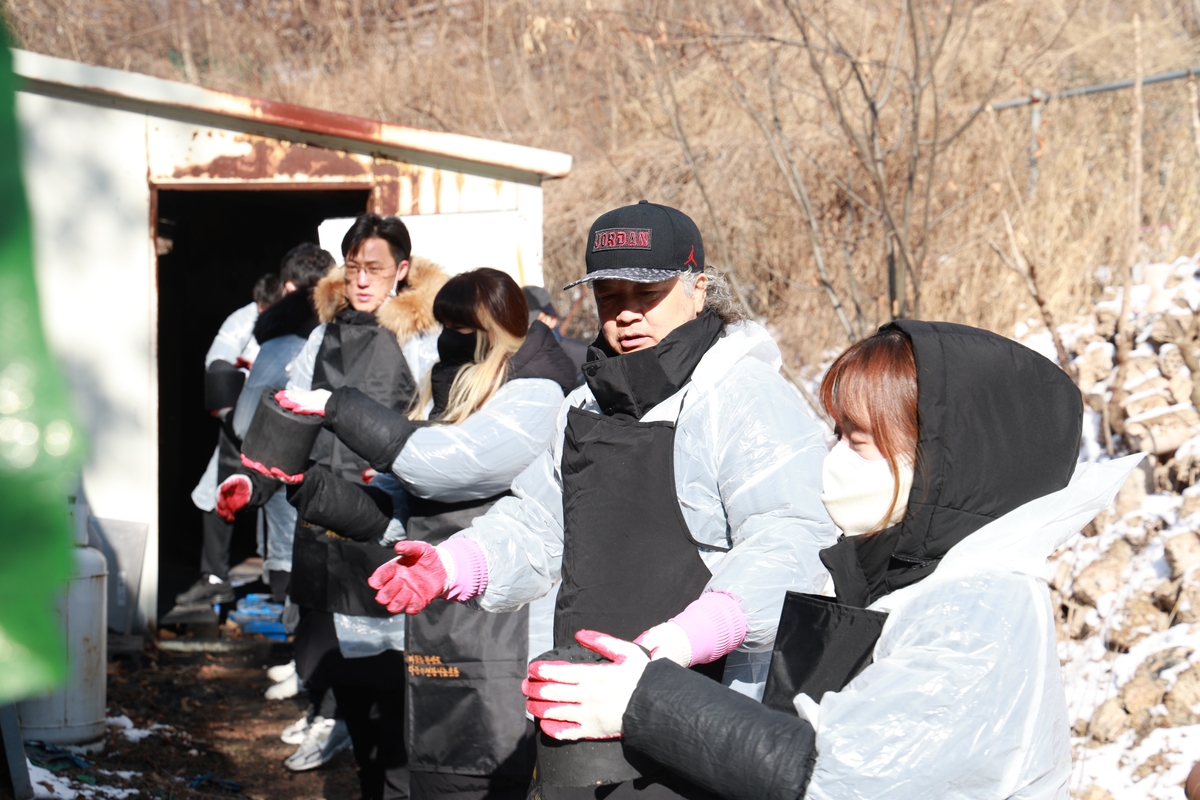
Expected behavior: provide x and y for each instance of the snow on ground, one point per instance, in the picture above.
(47, 784)
(1154, 768)
(134, 734)
(1129, 639)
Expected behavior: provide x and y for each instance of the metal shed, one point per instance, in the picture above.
(157, 204)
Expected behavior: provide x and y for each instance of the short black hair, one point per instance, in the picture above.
(267, 289)
(372, 226)
(304, 265)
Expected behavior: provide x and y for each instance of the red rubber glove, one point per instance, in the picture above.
(299, 401)
(585, 701)
(232, 496)
(271, 472)
(412, 581)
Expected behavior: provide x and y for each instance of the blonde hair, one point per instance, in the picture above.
(491, 303)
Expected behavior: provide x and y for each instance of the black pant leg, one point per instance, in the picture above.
(445, 786)
(354, 708)
(279, 578)
(393, 753)
(317, 659)
(214, 558)
(218, 534)
(375, 719)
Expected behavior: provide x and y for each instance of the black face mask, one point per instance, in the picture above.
(456, 349)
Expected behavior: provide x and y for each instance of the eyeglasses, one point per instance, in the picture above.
(373, 272)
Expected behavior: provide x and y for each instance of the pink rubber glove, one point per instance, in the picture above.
(232, 496)
(299, 401)
(412, 581)
(585, 701)
(712, 626)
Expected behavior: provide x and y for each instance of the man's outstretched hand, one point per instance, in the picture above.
(412, 581)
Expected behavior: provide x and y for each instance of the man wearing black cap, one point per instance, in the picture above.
(678, 504)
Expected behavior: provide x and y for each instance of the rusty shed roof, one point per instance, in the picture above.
(131, 91)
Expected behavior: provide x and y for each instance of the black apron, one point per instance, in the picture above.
(466, 714)
(821, 646)
(329, 572)
(368, 358)
(629, 562)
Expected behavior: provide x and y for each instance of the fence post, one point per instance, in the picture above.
(1035, 122)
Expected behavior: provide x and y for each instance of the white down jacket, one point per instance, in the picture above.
(234, 340)
(748, 477)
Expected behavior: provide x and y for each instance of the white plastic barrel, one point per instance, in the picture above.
(74, 713)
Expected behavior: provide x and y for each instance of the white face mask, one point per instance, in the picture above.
(858, 491)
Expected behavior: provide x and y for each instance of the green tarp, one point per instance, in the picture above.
(40, 445)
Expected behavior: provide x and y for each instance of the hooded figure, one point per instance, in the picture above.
(960, 694)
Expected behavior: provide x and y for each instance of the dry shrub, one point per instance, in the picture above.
(623, 85)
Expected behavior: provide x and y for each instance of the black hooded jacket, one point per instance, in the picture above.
(999, 426)
(541, 356)
(293, 314)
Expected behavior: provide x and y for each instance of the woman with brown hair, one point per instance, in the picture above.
(932, 671)
(480, 416)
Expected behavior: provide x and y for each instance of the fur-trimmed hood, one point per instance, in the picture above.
(408, 313)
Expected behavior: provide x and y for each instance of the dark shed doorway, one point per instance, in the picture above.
(220, 243)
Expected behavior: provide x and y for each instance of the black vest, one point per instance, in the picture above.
(357, 352)
(329, 572)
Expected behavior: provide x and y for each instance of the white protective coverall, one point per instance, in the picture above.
(476, 459)
(748, 475)
(234, 340)
(270, 372)
(938, 714)
(235, 337)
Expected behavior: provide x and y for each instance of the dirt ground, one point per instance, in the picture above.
(220, 726)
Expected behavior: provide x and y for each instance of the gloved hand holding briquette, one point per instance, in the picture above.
(585, 700)
(302, 401)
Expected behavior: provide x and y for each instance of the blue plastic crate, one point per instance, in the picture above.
(271, 630)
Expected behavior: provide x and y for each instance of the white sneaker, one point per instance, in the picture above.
(282, 672)
(324, 740)
(295, 733)
(289, 687)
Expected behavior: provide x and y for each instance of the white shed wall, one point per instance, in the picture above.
(510, 241)
(85, 175)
